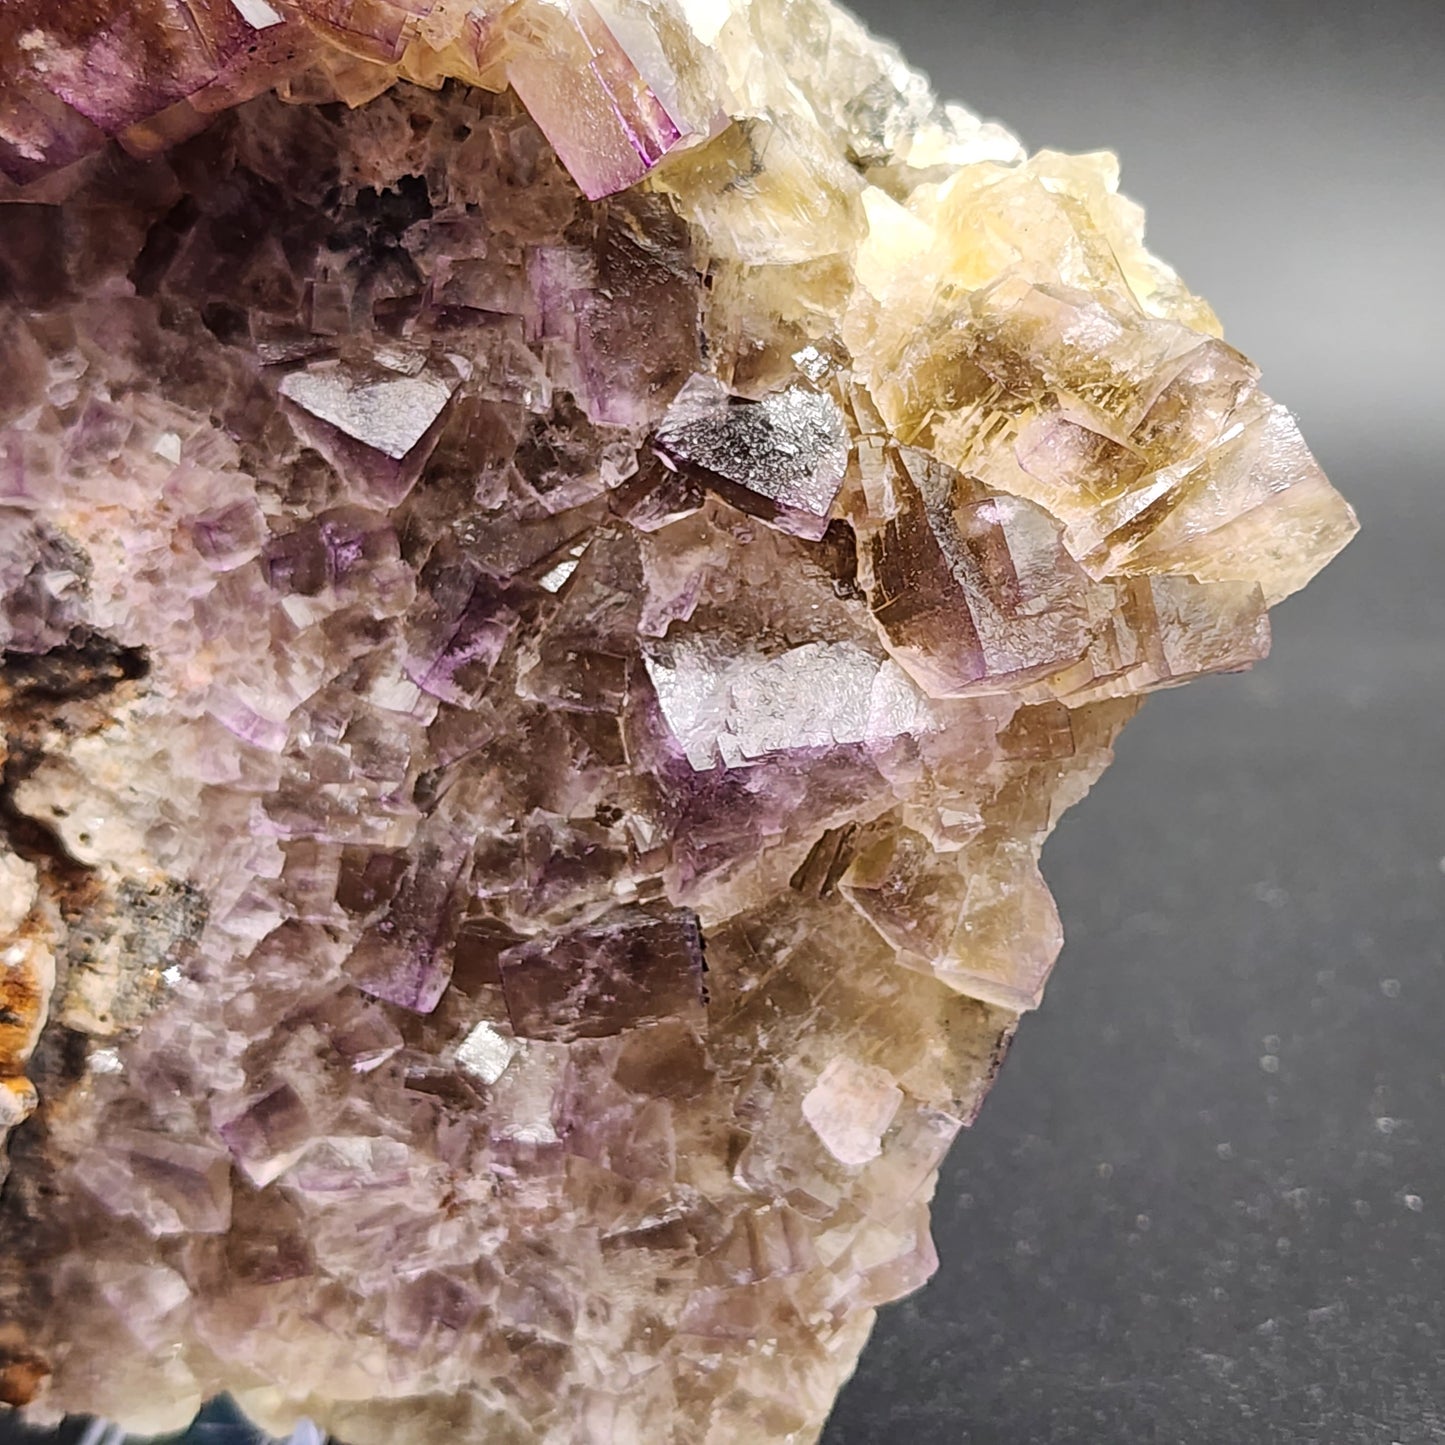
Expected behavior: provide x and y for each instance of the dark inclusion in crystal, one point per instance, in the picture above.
(633, 966)
(781, 459)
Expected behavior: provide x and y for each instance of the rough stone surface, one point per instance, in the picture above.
(558, 563)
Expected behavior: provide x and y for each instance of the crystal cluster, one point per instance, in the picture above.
(558, 562)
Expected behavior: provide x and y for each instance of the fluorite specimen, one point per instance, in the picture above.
(560, 560)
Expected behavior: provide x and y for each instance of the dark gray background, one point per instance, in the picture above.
(1206, 1201)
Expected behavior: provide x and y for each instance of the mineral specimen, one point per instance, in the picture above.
(560, 561)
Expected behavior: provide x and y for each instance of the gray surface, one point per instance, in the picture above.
(1206, 1201)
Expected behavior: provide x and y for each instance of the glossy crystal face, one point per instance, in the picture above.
(558, 564)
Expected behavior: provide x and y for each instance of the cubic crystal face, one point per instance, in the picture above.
(559, 563)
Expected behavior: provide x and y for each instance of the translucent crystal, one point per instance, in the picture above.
(558, 563)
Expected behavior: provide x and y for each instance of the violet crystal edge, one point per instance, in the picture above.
(560, 560)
